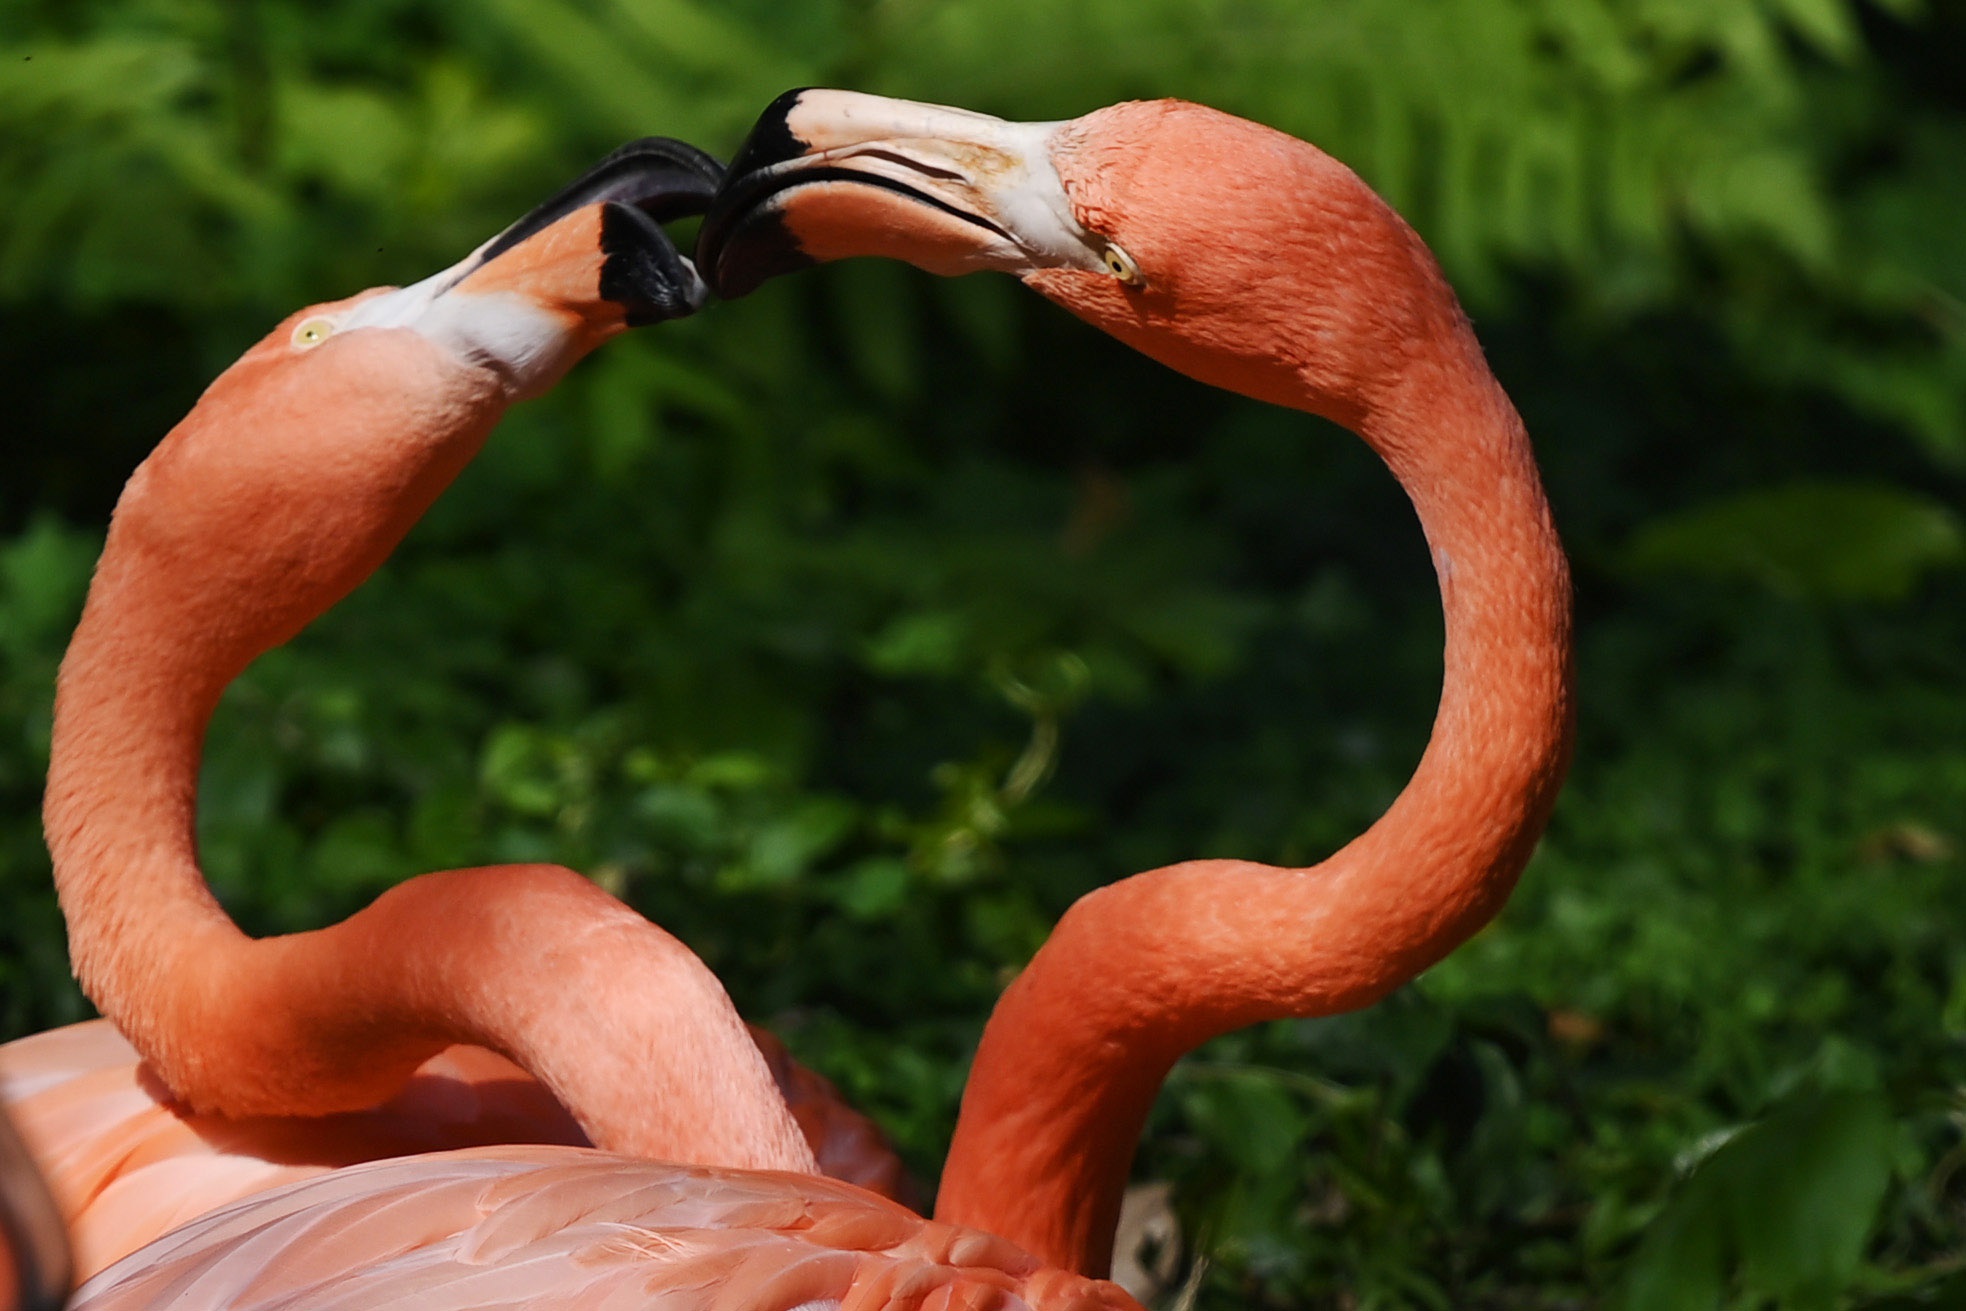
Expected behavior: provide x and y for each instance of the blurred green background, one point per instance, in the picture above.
(854, 629)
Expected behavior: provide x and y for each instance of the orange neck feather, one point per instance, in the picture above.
(286, 486)
(1142, 971)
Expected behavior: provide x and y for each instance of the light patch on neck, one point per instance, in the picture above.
(525, 344)
(402, 307)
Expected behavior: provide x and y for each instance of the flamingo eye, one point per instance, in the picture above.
(1121, 266)
(313, 332)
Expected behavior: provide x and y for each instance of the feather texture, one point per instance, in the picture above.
(128, 1165)
(545, 1227)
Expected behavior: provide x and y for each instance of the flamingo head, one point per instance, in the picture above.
(524, 306)
(1233, 252)
(307, 460)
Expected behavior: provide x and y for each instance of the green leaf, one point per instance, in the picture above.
(1822, 541)
(358, 853)
(1786, 1204)
(875, 888)
(519, 768)
(357, 140)
(1804, 1186)
(1828, 25)
(1680, 1266)
(1252, 1116)
(43, 575)
(933, 643)
(784, 848)
(738, 771)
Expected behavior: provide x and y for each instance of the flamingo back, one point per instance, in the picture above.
(126, 1165)
(548, 1227)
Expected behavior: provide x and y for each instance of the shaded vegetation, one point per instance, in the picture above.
(852, 630)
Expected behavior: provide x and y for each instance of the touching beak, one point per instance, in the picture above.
(590, 263)
(826, 175)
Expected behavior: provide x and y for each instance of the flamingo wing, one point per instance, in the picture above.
(127, 1165)
(548, 1227)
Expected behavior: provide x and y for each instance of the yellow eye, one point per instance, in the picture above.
(1121, 266)
(313, 332)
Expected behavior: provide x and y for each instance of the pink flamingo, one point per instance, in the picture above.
(1246, 259)
(294, 476)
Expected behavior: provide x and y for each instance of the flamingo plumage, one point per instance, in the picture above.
(1248, 260)
(552, 1227)
(253, 1063)
(129, 1164)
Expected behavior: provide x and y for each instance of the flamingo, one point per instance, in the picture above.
(1250, 260)
(1245, 259)
(292, 478)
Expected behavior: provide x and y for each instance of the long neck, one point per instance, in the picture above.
(621, 1022)
(1140, 972)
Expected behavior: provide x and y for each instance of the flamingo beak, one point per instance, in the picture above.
(587, 264)
(826, 175)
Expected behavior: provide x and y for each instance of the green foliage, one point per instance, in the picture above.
(1790, 1200)
(1825, 541)
(43, 572)
(852, 630)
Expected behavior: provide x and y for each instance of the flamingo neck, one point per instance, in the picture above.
(1142, 971)
(619, 1020)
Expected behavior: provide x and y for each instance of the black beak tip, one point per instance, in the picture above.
(743, 243)
(770, 140)
(747, 251)
(641, 271)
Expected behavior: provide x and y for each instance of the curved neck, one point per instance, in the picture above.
(1140, 972)
(620, 1021)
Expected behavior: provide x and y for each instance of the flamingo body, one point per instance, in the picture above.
(548, 1227)
(127, 1164)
